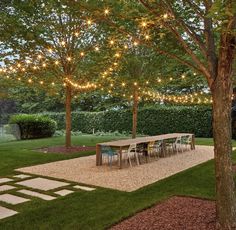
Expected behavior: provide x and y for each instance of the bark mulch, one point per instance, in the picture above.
(177, 213)
(64, 150)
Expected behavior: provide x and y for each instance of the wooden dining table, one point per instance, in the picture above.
(125, 143)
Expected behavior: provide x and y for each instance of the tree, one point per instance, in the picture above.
(204, 35)
(53, 43)
(138, 73)
(204, 32)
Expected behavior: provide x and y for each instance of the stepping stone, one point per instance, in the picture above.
(22, 176)
(63, 192)
(84, 188)
(12, 199)
(37, 194)
(4, 180)
(42, 184)
(5, 212)
(6, 188)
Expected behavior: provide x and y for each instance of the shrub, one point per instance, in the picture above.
(151, 120)
(33, 126)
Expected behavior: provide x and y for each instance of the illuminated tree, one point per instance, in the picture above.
(204, 35)
(51, 44)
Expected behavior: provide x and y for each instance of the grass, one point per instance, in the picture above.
(103, 207)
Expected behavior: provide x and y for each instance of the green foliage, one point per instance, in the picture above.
(33, 126)
(151, 120)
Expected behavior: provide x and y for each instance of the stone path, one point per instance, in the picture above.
(5, 212)
(64, 192)
(40, 184)
(6, 188)
(12, 199)
(4, 180)
(36, 194)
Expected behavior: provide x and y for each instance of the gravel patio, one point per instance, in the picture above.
(84, 170)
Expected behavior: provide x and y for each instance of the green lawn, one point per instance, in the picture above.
(103, 207)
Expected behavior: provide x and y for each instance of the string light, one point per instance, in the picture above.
(144, 24)
(165, 16)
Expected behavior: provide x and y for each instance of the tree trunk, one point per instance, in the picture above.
(221, 93)
(68, 116)
(135, 113)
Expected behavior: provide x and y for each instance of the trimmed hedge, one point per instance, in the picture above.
(151, 120)
(32, 126)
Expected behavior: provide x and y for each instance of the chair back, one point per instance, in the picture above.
(107, 150)
(178, 140)
(189, 138)
(132, 147)
(151, 145)
(158, 143)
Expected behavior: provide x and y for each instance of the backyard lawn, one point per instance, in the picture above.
(103, 207)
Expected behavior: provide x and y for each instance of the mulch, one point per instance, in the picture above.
(177, 213)
(64, 150)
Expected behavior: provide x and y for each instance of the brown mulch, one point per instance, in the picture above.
(64, 150)
(177, 213)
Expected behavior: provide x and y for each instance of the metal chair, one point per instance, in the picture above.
(131, 153)
(154, 148)
(109, 153)
(178, 145)
(187, 141)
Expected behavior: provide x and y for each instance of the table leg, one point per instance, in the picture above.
(98, 155)
(120, 152)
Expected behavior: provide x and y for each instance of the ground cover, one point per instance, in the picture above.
(101, 208)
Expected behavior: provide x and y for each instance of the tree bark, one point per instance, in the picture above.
(221, 93)
(68, 115)
(135, 113)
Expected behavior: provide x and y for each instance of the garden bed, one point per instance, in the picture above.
(177, 213)
(64, 150)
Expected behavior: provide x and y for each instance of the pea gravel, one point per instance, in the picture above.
(84, 170)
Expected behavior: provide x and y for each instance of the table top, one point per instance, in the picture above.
(139, 140)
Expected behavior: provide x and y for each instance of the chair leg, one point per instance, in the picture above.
(136, 155)
(129, 158)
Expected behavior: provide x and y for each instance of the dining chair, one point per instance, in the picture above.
(155, 148)
(109, 153)
(178, 144)
(131, 153)
(187, 142)
(170, 146)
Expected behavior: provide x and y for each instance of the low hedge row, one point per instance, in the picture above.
(32, 126)
(151, 120)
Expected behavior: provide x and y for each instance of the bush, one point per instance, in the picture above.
(151, 120)
(33, 126)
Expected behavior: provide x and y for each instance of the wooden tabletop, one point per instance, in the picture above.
(139, 140)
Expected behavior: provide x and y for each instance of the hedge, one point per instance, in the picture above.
(151, 120)
(32, 126)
